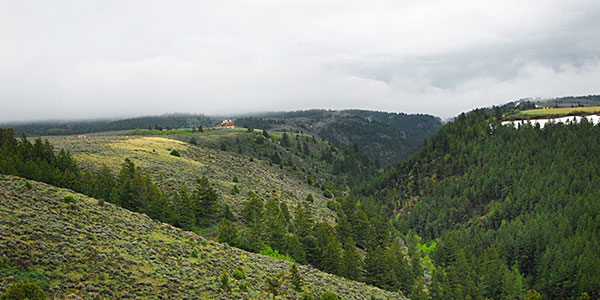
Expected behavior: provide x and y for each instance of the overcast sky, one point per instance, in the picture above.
(89, 59)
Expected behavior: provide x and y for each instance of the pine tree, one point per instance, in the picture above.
(285, 140)
(206, 203)
(351, 260)
(228, 233)
(296, 278)
(329, 248)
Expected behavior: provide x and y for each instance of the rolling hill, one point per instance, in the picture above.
(170, 173)
(76, 247)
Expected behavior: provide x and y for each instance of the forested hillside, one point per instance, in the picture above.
(385, 137)
(65, 127)
(516, 209)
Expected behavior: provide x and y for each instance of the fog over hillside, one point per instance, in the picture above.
(109, 59)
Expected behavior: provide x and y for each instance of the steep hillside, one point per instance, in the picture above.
(77, 247)
(385, 137)
(169, 172)
(516, 209)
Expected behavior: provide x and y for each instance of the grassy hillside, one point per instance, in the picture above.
(95, 250)
(563, 111)
(170, 173)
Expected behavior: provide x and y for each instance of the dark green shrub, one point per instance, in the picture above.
(309, 179)
(225, 286)
(274, 283)
(327, 194)
(243, 287)
(238, 273)
(175, 153)
(235, 190)
(307, 296)
(69, 199)
(333, 205)
(27, 185)
(235, 179)
(24, 290)
(310, 198)
(193, 141)
(329, 296)
(194, 254)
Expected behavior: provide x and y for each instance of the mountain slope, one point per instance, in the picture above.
(93, 250)
(385, 137)
(515, 208)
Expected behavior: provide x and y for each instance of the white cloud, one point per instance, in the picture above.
(74, 59)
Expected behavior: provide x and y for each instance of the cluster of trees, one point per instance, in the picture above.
(514, 209)
(361, 246)
(384, 137)
(257, 122)
(305, 155)
(131, 188)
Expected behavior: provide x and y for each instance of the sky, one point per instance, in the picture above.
(97, 59)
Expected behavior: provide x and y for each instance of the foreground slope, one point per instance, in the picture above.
(96, 250)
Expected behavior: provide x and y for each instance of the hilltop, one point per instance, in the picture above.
(74, 246)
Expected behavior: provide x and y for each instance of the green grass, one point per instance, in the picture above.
(561, 111)
(178, 131)
(268, 251)
(425, 250)
(159, 132)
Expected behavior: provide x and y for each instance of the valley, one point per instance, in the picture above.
(135, 212)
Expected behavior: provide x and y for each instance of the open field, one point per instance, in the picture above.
(561, 111)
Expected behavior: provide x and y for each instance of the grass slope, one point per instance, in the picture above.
(93, 251)
(563, 111)
(171, 173)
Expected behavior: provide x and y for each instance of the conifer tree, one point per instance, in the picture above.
(351, 260)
